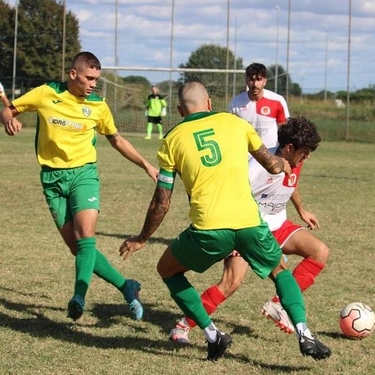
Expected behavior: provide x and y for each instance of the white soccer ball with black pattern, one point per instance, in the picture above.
(357, 320)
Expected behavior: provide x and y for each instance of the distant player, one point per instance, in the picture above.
(262, 108)
(156, 107)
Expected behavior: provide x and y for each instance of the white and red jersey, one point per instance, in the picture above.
(1, 90)
(272, 191)
(265, 114)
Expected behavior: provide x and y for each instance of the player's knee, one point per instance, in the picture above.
(72, 245)
(73, 251)
(322, 253)
(168, 266)
(160, 269)
(280, 268)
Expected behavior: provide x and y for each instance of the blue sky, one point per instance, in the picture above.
(144, 35)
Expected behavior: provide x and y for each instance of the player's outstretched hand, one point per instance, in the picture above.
(152, 172)
(310, 219)
(130, 246)
(12, 127)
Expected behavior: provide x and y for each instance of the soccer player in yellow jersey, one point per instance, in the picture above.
(69, 117)
(210, 152)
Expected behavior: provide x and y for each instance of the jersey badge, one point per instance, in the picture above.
(86, 111)
(291, 180)
(265, 111)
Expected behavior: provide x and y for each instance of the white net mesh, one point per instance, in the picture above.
(126, 92)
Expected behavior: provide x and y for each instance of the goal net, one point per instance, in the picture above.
(126, 91)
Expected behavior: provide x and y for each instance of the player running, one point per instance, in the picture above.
(69, 118)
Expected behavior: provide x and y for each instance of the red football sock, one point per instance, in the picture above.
(211, 299)
(306, 272)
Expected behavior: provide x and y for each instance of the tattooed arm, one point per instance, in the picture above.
(158, 208)
(272, 163)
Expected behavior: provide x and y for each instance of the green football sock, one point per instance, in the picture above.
(187, 299)
(290, 297)
(107, 272)
(85, 261)
(160, 129)
(149, 129)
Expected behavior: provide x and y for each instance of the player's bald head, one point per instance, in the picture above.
(193, 97)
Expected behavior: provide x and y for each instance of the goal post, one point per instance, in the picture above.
(126, 90)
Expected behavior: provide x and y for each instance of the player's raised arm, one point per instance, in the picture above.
(272, 163)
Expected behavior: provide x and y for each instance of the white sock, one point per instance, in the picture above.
(210, 333)
(302, 330)
(184, 322)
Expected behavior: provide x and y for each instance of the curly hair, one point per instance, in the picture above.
(300, 132)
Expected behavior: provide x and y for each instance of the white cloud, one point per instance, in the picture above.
(144, 34)
(83, 15)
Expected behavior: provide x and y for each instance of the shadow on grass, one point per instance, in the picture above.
(26, 294)
(165, 241)
(334, 335)
(108, 314)
(40, 326)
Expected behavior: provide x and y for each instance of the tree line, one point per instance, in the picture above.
(45, 47)
(41, 43)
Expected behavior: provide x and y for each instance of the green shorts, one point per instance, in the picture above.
(198, 250)
(68, 191)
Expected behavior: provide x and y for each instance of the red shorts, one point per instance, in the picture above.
(281, 235)
(285, 232)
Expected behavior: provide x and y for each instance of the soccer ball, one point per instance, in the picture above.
(357, 320)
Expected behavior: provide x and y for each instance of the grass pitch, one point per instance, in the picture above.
(37, 276)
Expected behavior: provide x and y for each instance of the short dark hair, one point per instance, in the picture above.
(300, 132)
(88, 58)
(256, 69)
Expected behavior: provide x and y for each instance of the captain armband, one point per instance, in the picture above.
(166, 179)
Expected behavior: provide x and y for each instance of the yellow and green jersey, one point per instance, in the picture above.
(66, 125)
(210, 153)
